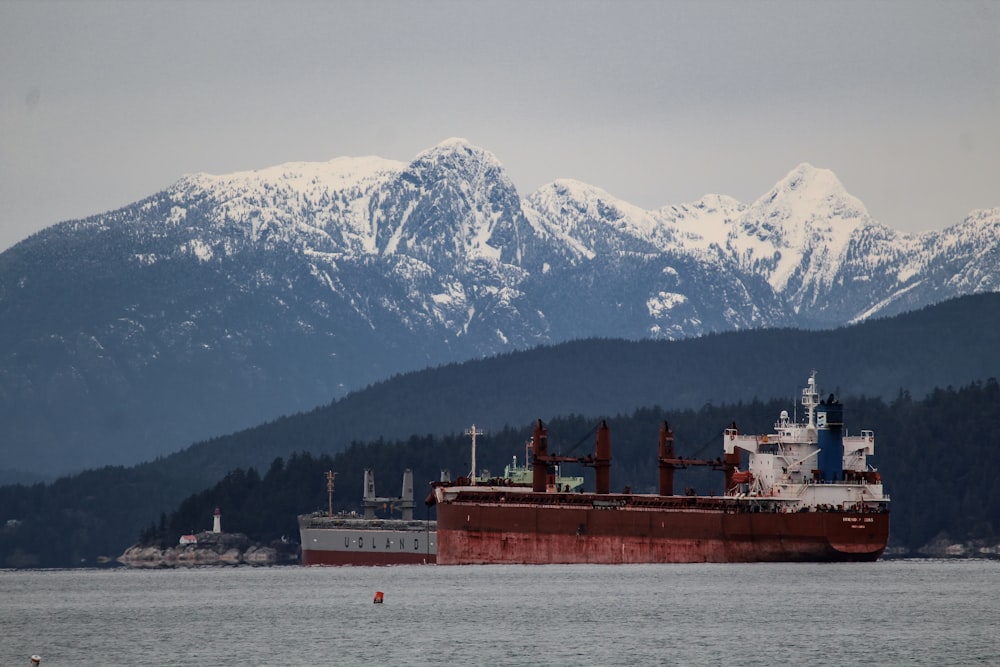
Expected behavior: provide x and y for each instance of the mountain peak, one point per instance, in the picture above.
(453, 201)
(797, 233)
(805, 202)
(807, 174)
(807, 192)
(454, 143)
(454, 146)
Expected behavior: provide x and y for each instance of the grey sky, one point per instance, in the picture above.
(103, 103)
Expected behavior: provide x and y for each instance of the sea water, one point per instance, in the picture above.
(897, 612)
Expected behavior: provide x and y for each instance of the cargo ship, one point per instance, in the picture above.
(806, 493)
(351, 539)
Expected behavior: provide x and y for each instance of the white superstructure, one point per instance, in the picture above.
(810, 464)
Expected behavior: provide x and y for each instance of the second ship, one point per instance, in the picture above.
(351, 539)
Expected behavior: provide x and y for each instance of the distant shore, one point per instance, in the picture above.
(211, 549)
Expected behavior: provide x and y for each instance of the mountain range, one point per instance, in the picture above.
(225, 301)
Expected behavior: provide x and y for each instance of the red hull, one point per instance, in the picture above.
(547, 528)
(365, 558)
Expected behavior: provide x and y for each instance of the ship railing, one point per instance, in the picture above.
(321, 520)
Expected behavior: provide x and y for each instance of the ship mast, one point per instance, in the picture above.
(810, 399)
(473, 432)
(329, 489)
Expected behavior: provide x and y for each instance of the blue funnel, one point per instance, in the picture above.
(830, 438)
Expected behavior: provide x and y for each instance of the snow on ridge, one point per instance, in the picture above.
(976, 222)
(704, 223)
(199, 249)
(880, 305)
(482, 231)
(542, 226)
(969, 240)
(324, 201)
(663, 302)
(797, 236)
(701, 227)
(340, 173)
(599, 204)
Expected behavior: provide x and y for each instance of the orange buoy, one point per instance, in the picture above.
(378, 597)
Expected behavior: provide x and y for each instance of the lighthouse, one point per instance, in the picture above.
(217, 521)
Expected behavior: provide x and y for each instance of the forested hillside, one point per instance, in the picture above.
(937, 455)
(951, 344)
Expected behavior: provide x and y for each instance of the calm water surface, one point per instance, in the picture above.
(885, 613)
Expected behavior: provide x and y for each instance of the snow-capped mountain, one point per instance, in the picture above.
(224, 301)
(798, 234)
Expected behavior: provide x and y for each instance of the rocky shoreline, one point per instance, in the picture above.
(943, 546)
(211, 549)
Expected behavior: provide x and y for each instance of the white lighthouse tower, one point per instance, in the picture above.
(217, 521)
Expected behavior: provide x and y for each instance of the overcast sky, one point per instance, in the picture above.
(103, 103)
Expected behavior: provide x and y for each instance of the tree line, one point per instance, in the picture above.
(937, 456)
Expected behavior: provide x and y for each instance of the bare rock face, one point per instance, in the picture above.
(211, 549)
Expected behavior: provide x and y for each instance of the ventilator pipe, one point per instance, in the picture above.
(602, 459)
(406, 497)
(540, 451)
(666, 451)
(368, 500)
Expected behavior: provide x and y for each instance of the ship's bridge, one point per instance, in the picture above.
(812, 463)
